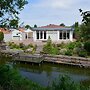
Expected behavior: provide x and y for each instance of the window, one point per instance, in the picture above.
(44, 34)
(64, 35)
(68, 35)
(37, 34)
(41, 35)
(60, 35)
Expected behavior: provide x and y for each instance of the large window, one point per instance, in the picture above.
(68, 35)
(60, 35)
(44, 34)
(64, 35)
(37, 34)
(41, 34)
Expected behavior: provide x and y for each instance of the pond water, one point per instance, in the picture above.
(47, 72)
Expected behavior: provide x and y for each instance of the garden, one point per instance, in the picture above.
(76, 48)
(30, 48)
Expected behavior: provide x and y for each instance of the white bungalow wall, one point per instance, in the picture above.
(53, 35)
(7, 37)
(71, 36)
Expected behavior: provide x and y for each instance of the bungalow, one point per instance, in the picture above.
(7, 34)
(18, 35)
(55, 32)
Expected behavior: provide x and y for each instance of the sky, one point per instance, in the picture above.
(44, 12)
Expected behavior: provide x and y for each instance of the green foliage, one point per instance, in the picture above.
(71, 45)
(10, 79)
(50, 48)
(27, 27)
(13, 23)
(21, 45)
(27, 48)
(12, 45)
(61, 45)
(87, 46)
(35, 26)
(85, 27)
(1, 36)
(9, 9)
(77, 31)
(65, 83)
(62, 24)
(69, 52)
(82, 53)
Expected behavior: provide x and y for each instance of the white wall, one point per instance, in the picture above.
(7, 37)
(34, 35)
(19, 35)
(71, 36)
(53, 35)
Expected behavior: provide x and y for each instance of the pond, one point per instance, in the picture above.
(47, 72)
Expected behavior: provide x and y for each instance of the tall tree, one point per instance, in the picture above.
(62, 24)
(76, 31)
(27, 27)
(85, 26)
(35, 26)
(9, 9)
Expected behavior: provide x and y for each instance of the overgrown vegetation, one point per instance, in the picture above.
(26, 48)
(76, 48)
(1, 36)
(10, 79)
(50, 48)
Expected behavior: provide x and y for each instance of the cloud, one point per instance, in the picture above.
(53, 4)
(42, 12)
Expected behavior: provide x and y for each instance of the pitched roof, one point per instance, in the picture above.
(5, 31)
(22, 29)
(52, 26)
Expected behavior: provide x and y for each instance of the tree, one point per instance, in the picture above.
(27, 27)
(76, 31)
(1, 36)
(35, 26)
(13, 23)
(62, 24)
(9, 9)
(85, 26)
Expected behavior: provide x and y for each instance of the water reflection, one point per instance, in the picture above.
(47, 72)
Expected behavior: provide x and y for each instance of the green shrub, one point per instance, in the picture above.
(65, 83)
(71, 45)
(21, 45)
(61, 45)
(1, 36)
(78, 44)
(69, 52)
(50, 48)
(55, 51)
(30, 45)
(82, 53)
(87, 46)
